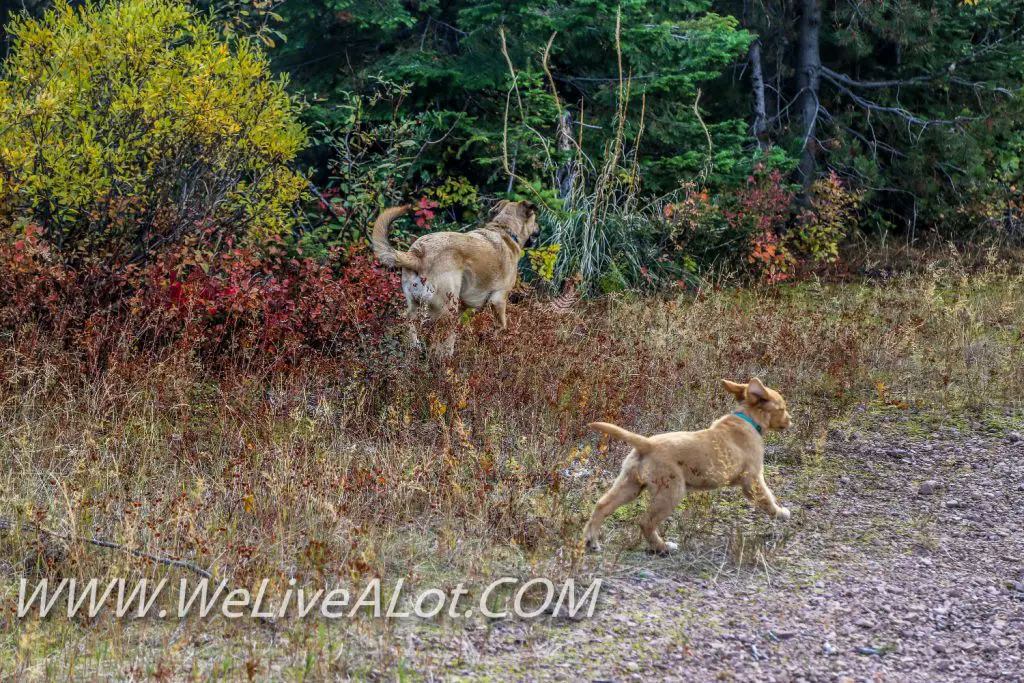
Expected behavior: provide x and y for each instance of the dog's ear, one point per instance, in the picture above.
(499, 205)
(756, 391)
(737, 390)
(526, 210)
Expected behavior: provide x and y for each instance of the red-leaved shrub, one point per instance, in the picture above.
(762, 208)
(267, 304)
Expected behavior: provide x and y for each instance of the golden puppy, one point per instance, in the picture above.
(728, 453)
(475, 268)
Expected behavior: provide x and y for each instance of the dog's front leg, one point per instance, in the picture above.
(755, 488)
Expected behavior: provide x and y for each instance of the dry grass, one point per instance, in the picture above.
(483, 468)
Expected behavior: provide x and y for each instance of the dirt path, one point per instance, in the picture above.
(880, 576)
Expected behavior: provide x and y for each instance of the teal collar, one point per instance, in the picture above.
(747, 418)
(512, 237)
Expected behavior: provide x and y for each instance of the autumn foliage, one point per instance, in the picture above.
(242, 304)
(127, 127)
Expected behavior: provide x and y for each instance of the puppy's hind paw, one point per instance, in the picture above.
(783, 514)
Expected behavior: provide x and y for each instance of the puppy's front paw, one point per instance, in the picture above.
(667, 549)
(783, 514)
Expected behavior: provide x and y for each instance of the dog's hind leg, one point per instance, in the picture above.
(497, 301)
(444, 312)
(413, 288)
(625, 489)
(755, 488)
(666, 494)
(414, 338)
(446, 349)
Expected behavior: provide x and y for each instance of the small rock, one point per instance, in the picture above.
(829, 648)
(927, 488)
(632, 666)
(990, 647)
(1014, 437)
(867, 651)
(954, 503)
(1017, 586)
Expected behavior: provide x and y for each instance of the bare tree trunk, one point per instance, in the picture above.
(808, 73)
(5, 16)
(565, 177)
(760, 124)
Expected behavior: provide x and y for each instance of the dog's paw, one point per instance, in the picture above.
(666, 549)
(783, 514)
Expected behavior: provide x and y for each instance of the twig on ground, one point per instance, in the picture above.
(7, 524)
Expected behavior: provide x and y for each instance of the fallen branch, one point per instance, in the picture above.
(7, 524)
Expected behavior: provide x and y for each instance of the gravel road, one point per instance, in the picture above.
(904, 562)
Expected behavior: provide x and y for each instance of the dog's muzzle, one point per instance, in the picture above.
(530, 241)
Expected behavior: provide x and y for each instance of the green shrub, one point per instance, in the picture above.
(831, 217)
(376, 161)
(125, 127)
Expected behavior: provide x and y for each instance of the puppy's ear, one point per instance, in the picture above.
(526, 210)
(737, 390)
(499, 205)
(756, 391)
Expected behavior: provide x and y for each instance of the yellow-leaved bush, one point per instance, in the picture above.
(129, 126)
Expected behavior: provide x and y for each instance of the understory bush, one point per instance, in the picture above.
(264, 306)
(126, 127)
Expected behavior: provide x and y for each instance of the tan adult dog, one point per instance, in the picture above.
(475, 268)
(728, 453)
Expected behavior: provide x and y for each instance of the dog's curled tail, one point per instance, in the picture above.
(641, 443)
(383, 249)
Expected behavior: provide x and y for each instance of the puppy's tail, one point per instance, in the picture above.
(383, 249)
(641, 443)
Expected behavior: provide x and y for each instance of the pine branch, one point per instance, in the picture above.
(835, 76)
